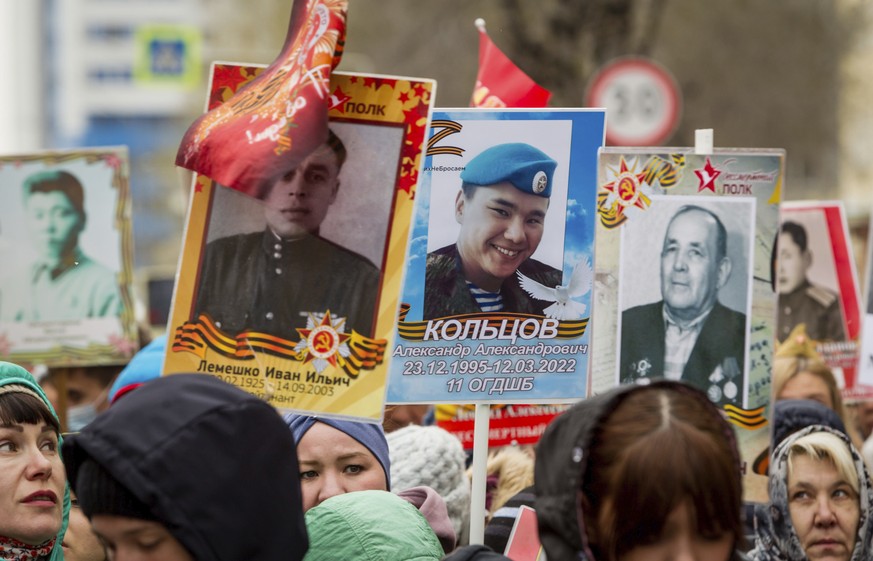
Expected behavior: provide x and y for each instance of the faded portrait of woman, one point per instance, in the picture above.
(59, 281)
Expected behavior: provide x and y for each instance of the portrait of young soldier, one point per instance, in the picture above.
(61, 282)
(501, 208)
(688, 335)
(801, 301)
(270, 281)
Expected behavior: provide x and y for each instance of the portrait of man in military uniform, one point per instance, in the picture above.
(271, 280)
(501, 209)
(688, 334)
(800, 300)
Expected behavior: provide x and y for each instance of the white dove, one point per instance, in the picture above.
(564, 307)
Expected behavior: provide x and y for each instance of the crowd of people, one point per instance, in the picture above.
(187, 467)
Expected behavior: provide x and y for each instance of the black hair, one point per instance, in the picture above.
(336, 144)
(65, 182)
(20, 407)
(797, 233)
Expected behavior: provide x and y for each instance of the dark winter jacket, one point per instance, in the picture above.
(560, 466)
(216, 466)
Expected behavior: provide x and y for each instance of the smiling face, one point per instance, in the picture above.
(131, 539)
(824, 509)
(333, 463)
(31, 482)
(692, 271)
(298, 202)
(53, 223)
(501, 227)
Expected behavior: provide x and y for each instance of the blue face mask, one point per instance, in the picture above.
(79, 416)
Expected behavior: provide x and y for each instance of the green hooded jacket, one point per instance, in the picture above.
(369, 526)
(14, 374)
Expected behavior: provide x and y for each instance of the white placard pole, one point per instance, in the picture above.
(703, 141)
(480, 475)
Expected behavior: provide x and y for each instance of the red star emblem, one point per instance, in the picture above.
(322, 341)
(338, 100)
(403, 97)
(707, 176)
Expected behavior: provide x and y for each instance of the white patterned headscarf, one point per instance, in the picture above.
(775, 537)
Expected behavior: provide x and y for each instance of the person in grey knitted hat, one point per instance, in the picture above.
(431, 456)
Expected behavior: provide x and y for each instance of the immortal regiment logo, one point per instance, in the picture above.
(731, 182)
(280, 116)
(627, 191)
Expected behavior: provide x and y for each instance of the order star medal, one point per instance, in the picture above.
(322, 342)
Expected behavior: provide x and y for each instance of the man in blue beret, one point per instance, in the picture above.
(501, 208)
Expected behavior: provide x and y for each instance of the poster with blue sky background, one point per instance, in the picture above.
(496, 297)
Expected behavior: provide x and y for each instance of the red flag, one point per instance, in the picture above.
(500, 83)
(268, 127)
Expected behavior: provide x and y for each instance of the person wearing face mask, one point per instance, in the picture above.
(86, 391)
(820, 501)
(62, 283)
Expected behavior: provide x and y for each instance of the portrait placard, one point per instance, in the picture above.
(685, 287)
(294, 297)
(67, 247)
(497, 293)
(865, 355)
(818, 285)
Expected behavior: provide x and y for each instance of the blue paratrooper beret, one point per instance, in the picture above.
(527, 168)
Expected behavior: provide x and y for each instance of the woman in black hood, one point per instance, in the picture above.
(188, 467)
(640, 473)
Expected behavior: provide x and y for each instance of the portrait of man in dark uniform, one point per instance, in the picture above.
(270, 281)
(689, 335)
(801, 301)
(501, 208)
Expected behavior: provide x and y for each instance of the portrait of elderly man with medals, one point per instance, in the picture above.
(689, 335)
(501, 208)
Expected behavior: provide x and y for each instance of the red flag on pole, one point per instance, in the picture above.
(500, 83)
(268, 127)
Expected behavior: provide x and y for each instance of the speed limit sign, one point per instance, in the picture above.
(641, 98)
